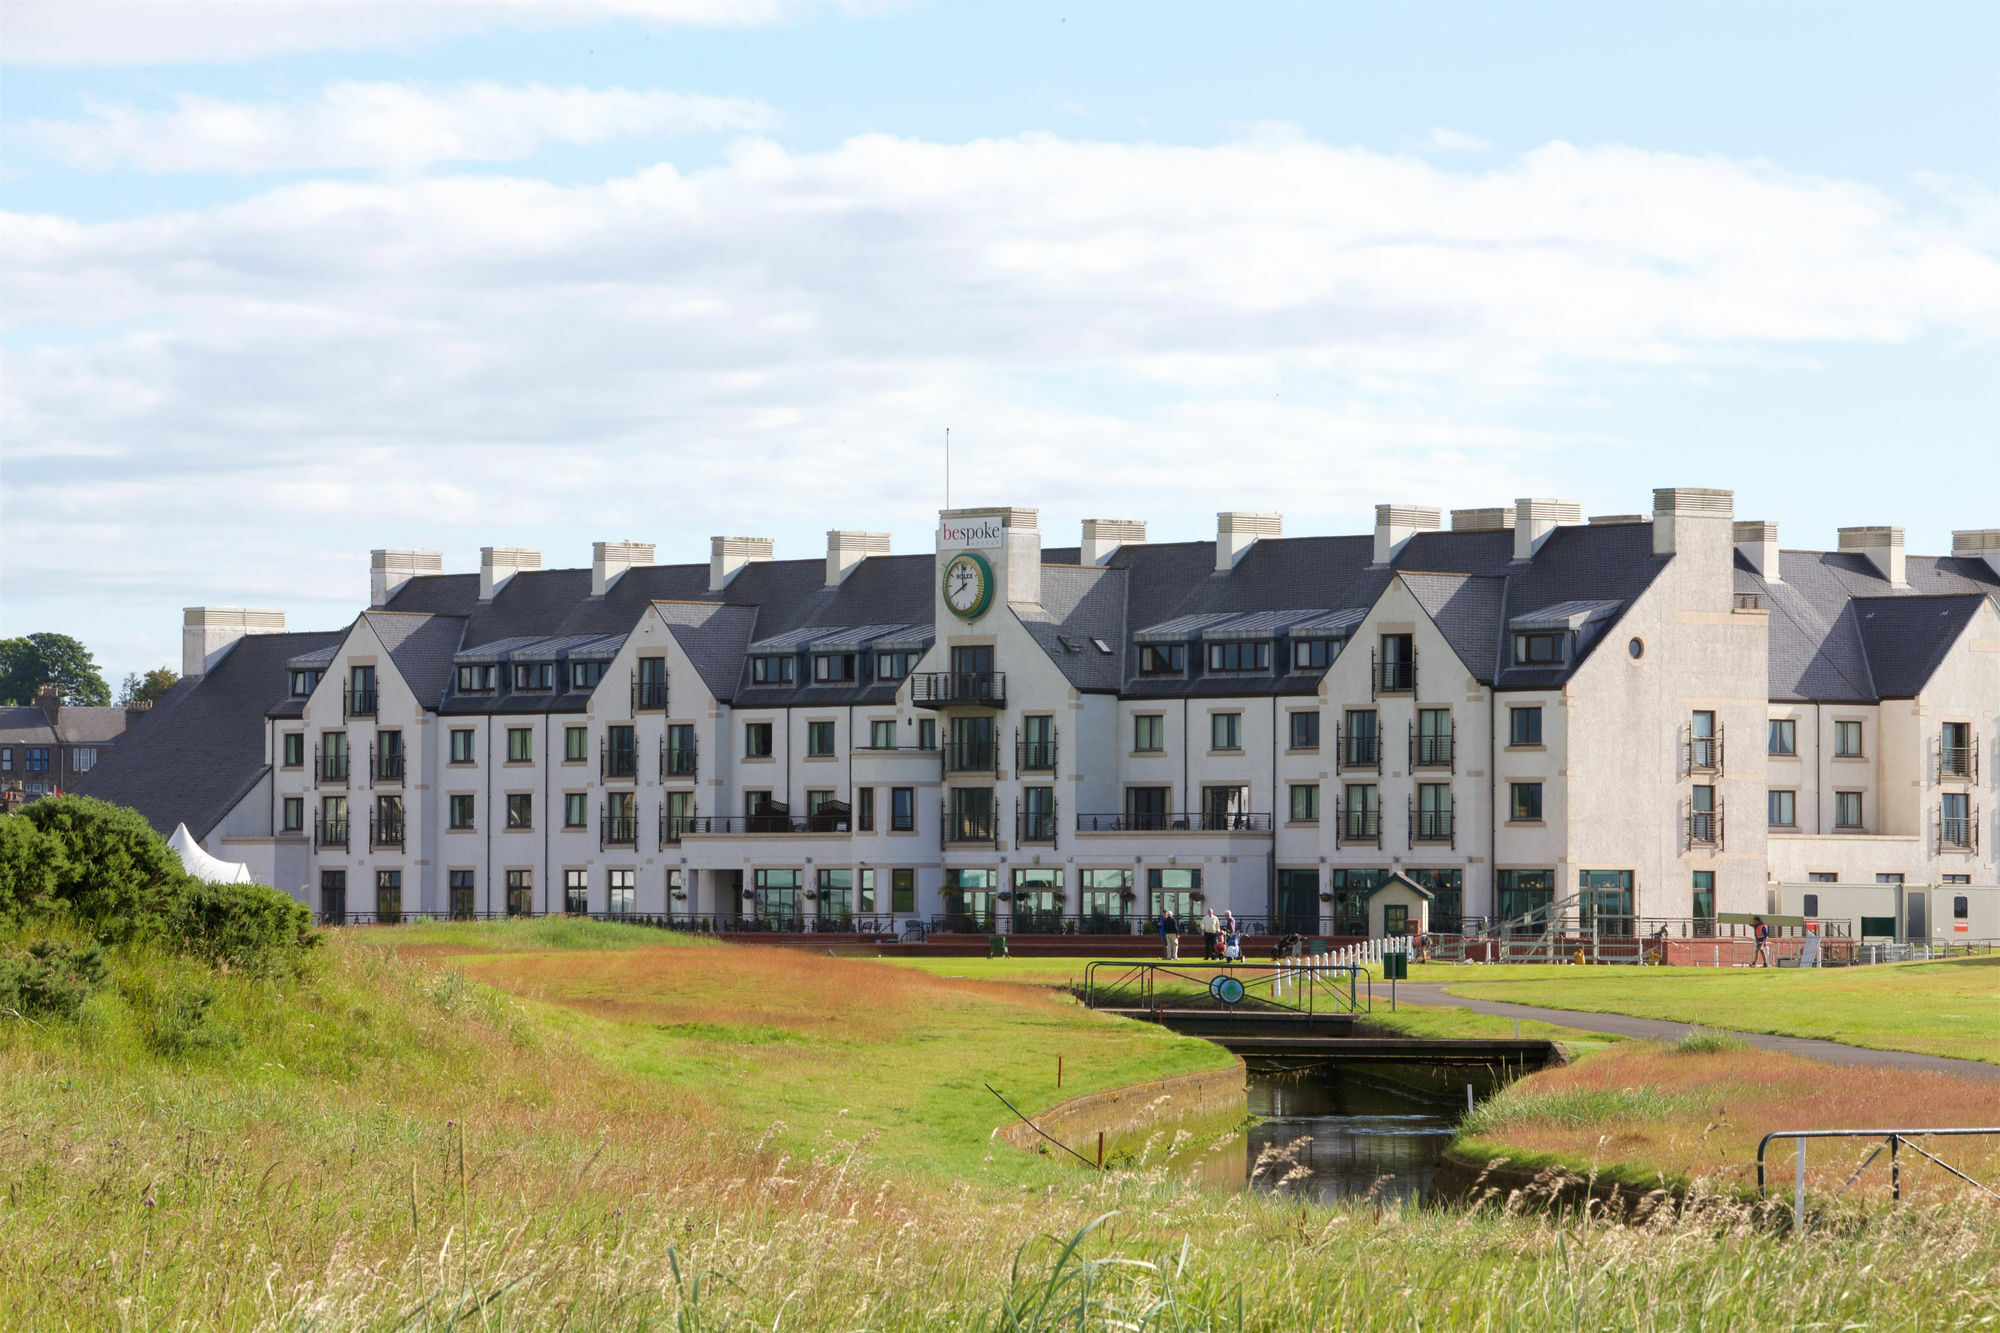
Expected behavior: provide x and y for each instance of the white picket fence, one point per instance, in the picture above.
(1295, 972)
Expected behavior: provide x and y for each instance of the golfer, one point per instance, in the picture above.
(1210, 929)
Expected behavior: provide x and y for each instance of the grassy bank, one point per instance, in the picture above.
(1948, 1008)
(390, 1143)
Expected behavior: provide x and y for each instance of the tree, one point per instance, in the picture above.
(148, 688)
(27, 664)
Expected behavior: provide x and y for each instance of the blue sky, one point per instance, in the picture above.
(281, 283)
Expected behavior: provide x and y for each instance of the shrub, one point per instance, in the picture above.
(50, 980)
(1704, 1041)
(177, 1021)
(247, 926)
(31, 862)
(117, 876)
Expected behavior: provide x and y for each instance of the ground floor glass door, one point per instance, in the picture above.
(1607, 901)
(1296, 910)
(969, 900)
(775, 896)
(1175, 891)
(1038, 901)
(1351, 891)
(389, 897)
(1103, 902)
(1448, 898)
(333, 895)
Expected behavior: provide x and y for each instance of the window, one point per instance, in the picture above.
(1704, 896)
(1809, 903)
(819, 739)
(576, 892)
(1163, 659)
(462, 901)
(1433, 812)
(1149, 732)
(586, 675)
(1889, 878)
(576, 745)
(624, 892)
(819, 799)
(1961, 905)
(1701, 815)
(1433, 738)
(680, 814)
(864, 809)
(1847, 809)
(1312, 654)
(37, 757)
(534, 677)
(1239, 655)
(927, 733)
(882, 734)
(1363, 745)
(461, 812)
(389, 896)
(1524, 801)
(1305, 802)
(1782, 809)
(1305, 731)
(576, 809)
(757, 740)
(1038, 814)
(902, 809)
(1823, 877)
(1784, 734)
(461, 747)
(520, 745)
(1955, 819)
(1540, 650)
(6, 760)
(1955, 750)
(894, 666)
(1702, 750)
(333, 765)
(477, 679)
(520, 810)
(1524, 726)
(1399, 662)
(772, 670)
(1225, 731)
(1363, 813)
(304, 683)
(80, 760)
(520, 893)
(972, 659)
(1847, 740)
(833, 667)
(1635, 649)
(902, 890)
(295, 814)
(1146, 807)
(295, 749)
(650, 686)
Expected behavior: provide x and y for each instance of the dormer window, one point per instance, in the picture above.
(773, 670)
(1240, 655)
(1535, 650)
(585, 675)
(534, 677)
(1313, 654)
(305, 682)
(1163, 659)
(894, 666)
(478, 679)
(833, 667)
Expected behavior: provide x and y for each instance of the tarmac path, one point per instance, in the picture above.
(1655, 1029)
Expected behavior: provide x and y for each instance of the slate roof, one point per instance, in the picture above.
(1821, 648)
(200, 748)
(25, 724)
(87, 726)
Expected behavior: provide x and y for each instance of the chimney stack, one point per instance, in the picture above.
(49, 699)
(1236, 533)
(1882, 546)
(1535, 519)
(610, 560)
(846, 550)
(728, 555)
(388, 571)
(1103, 536)
(1978, 544)
(1482, 520)
(209, 632)
(1396, 524)
(1676, 506)
(498, 564)
(1757, 543)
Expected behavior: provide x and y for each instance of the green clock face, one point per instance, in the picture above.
(968, 585)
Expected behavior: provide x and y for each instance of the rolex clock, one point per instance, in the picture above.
(968, 585)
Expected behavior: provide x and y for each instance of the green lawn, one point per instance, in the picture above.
(1950, 1008)
(1423, 1020)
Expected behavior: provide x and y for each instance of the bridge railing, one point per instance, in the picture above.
(1892, 1139)
(1308, 986)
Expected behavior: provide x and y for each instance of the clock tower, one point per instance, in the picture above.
(986, 558)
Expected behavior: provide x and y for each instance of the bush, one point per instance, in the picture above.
(1705, 1041)
(177, 1021)
(247, 926)
(50, 980)
(31, 862)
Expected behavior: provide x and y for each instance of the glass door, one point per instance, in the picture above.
(1607, 901)
(775, 894)
(1297, 908)
(1173, 891)
(969, 900)
(1105, 901)
(333, 896)
(520, 893)
(1038, 902)
(389, 897)
(836, 899)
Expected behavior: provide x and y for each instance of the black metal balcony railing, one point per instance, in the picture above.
(971, 828)
(330, 767)
(672, 827)
(1393, 677)
(1958, 763)
(1035, 826)
(1433, 751)
(1035, 756)
(618, 761)
(1958, 833)
(386, 765)
(1431, 826)
(945, 689)
(1704, 753)
(384, 832)
(330, 832)
(1358, 826)
(972, 757)
(648, 696)
(358, 703)
(677, 761)
(703, 825)
(1704, 828)
(618, 831)
(1170, 821)
(1357, 749)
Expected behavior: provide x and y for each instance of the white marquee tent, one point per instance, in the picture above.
(203, 866)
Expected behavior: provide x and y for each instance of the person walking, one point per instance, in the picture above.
(1211, 930)
(1761, 958)
(1169, 934)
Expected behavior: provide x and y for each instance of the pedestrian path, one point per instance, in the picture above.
(1655, 1029)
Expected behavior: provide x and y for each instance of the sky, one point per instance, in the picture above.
(283, 283)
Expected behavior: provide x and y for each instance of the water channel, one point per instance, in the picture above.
(1331, 1132)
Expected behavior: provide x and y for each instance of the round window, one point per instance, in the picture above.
(1637, 648)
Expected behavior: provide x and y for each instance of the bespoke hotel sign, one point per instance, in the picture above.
(973, 535)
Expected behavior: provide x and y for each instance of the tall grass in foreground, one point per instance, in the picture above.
(389, 1146)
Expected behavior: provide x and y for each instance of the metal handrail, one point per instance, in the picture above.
(329, 832)
(1357, 826)
(1704, 753)
(1183, 821)
(1035, 756)
(1704, 828)
(1894, 1139)
(1387, 677)
(357, 703)
(620, 761)
(618, 831)
(1959, 833)
(1353, 750)
(1282, 985)
(385, 767)
(1958, 763)
(697, 825)
(1431, 826)
(1433, 751)
(985, 689)
(330, 768)
(972, 757)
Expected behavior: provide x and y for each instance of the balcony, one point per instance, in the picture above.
(1035, 826)
(972, 757)
(358, 703)
(1958, 763)
(330, 770)
(618, 762)
(672, 827)
(1168, 821)
(1393, 677)
(691, 826)
(1958, 833)
(330, 833)
(971, 826)
(1704, 753)
(959, 689)
(1357, 828)
(649, 696)
(1357, 750)
(1704, 830)
(677, 761)
(384, 832)
(386, 768)
(1035, 756)
(1430, 751)
(618, 831)
(1431, 826)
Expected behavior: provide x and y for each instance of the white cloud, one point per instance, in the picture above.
(1452, 141)
(161, 32)
(241, 399)
(382, 125)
